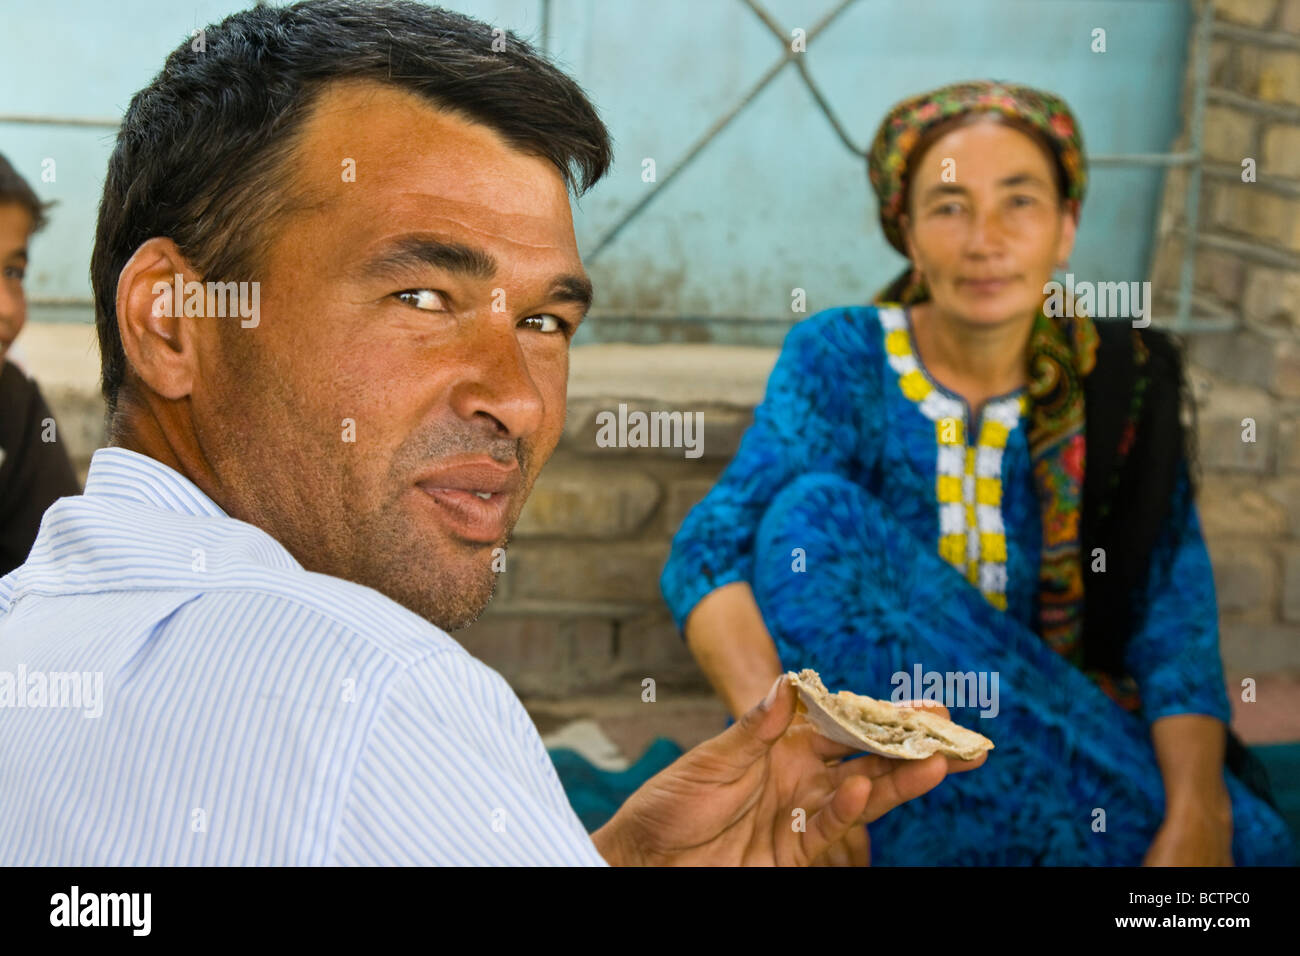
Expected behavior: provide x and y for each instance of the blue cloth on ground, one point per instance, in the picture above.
(597, 794)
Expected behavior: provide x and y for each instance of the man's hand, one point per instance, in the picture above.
(764, 792)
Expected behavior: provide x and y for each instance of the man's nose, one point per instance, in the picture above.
(494, 383)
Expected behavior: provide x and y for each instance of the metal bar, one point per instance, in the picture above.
(1268, 184)
(1270, 38)
(1144, 159)
(1217, 319)
(711, 133)
(622, 315)
(1239, 101)
(802, 67)
(1196, 145)
(1254, 251)
(546, 28)
(37, 119)
(1212, 308)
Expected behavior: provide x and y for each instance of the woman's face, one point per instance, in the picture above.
(986, 226)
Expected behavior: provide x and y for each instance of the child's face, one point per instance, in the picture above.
(15, 227)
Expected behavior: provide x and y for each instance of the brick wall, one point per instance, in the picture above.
(1248, 266)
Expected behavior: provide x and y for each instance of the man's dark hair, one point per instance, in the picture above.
(201, 152)
(15, 189)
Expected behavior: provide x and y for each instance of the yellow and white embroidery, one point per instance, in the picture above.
(968, 479)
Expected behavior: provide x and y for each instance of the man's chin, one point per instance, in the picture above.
(462, 613)
(449, 601)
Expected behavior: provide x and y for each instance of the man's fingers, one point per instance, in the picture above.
(874, 766)
(961, 766)
(906, 782)
(853, 850)
(759, 728)
(868, 765)
(833, 821)
(859, 844)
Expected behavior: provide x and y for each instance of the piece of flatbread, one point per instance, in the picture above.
(880, 727)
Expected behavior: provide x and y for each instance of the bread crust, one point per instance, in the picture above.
(880, 727)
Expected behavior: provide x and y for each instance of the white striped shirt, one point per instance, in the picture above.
(253, 712)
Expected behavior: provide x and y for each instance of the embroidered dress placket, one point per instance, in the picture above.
(968, 479)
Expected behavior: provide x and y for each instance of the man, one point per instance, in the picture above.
(34, 468)
(302, 498)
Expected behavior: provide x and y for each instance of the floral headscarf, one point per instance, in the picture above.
(908, 121)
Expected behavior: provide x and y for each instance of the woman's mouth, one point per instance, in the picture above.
(986, 286)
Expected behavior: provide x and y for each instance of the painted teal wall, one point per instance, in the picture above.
(775, 202)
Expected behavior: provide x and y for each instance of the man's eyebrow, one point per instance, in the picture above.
(573, 289)
(17, 254)
(415, 251)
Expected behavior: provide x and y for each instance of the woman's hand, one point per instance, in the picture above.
(1197, 830)
(1195, 834)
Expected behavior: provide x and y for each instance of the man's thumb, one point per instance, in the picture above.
(764, 723)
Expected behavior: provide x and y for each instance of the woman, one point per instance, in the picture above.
(954, 480)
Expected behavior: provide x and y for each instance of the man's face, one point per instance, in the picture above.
(388, 415)
(986, 225)
(15, 228)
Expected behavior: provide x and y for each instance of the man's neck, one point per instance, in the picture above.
(137, 426)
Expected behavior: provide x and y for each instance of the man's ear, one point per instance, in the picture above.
(160, 343)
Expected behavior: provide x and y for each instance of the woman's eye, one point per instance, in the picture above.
(545, 323)
(425, 299)
(948, 209)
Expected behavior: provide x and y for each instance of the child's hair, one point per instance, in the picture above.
(14, 189)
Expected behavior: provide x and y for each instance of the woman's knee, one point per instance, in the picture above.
(819, 549)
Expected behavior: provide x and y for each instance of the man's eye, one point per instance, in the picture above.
(425, 299)
(1022, 200)
(545, 323)
(15, 272)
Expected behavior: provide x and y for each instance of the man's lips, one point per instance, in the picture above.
(472, 497)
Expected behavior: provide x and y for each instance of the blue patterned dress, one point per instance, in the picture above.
(884, 533)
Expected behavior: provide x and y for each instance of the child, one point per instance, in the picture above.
(33, 472)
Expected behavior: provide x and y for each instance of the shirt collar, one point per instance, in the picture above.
(124, 474)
